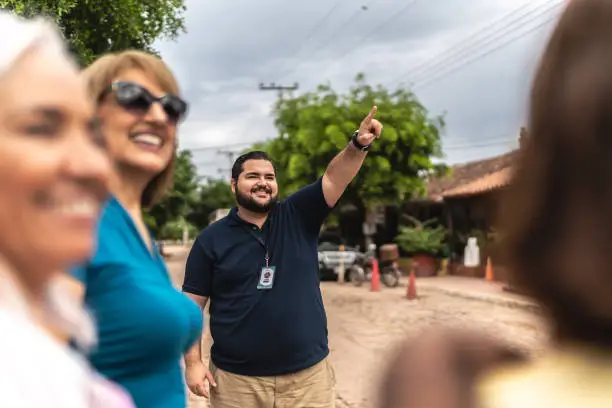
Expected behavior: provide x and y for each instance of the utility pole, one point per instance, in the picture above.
(224, 173)
(279, 88)
(231, 156)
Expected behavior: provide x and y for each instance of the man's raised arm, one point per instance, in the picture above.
(345, 166)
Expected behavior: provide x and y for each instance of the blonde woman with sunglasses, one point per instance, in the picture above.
(144, 324)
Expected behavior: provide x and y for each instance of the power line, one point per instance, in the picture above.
(206, 163)
(489, 39)
(315, 30)
(230, 154)
(461, 45)
(468, 141)
(223, 149)
(378, 29)
(224, 171)
(477, 145)
(470, 158)
(224, 146)
(479, 57)
(227, 146)
(426, 78)
(328, 42)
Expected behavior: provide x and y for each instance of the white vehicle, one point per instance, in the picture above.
(330, 256)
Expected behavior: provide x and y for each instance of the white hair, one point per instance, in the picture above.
(19, 35)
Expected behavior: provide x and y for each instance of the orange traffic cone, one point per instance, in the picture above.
(411, 292)
(489, 271)
(375, 276)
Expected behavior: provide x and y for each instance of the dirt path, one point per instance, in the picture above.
(364, 326)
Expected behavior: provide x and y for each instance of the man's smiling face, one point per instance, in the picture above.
(256, 188)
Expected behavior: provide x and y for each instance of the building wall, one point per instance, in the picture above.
(476, 212)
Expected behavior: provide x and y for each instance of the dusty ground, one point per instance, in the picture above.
(364, 326)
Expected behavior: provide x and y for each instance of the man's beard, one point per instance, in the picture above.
(250, 204)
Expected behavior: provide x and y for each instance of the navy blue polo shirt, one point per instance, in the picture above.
(273, 331)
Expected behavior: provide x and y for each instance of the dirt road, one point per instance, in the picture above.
(364, 326)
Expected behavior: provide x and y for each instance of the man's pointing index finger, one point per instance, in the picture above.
(370, 116)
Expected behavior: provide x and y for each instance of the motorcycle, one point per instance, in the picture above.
(361, 270)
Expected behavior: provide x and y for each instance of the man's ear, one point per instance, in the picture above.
(233, 185)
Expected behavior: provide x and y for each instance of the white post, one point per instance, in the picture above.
(185, 235)
(341, 266)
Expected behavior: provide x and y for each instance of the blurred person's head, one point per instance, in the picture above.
(557, 217)
(139, 105)
(53, 167)
(254, 182)
(440, 368)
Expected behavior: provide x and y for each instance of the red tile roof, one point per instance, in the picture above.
(464, 174)
(483, 184)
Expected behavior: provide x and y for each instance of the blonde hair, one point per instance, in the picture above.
(99, 76)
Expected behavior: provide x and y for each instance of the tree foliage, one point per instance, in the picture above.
(169, 215)
(315, 126)
(214, 195)
(94, 27)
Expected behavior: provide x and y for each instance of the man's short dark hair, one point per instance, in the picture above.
(238, 166)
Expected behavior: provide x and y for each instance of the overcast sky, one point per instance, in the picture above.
(445, 49)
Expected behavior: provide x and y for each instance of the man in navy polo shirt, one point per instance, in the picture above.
(259, 268)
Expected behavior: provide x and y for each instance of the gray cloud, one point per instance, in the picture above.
(232, 46)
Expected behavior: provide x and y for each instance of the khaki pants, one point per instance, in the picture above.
(313, 387)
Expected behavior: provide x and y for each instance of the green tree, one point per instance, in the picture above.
(213, 195)
(315, 126)
(94, 27)
(169, 215)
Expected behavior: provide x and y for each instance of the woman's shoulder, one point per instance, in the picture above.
(112, 217)
(32, 358)
(560, 378)
(113, 231)
(19, 332)
(39, 371)
(511, 387)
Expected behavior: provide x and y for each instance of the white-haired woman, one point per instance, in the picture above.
(53, 181)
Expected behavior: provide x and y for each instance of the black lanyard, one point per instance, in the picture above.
(264, 242)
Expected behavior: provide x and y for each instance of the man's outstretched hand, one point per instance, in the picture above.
(370, 129)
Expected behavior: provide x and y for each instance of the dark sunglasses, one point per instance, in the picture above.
(136, 98)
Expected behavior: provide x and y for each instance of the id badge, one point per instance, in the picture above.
(266, 278)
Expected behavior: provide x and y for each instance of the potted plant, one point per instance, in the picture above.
(424, 243)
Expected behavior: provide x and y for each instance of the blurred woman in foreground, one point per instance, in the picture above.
(53, 175)
(557, 220)
(145, 324)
